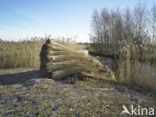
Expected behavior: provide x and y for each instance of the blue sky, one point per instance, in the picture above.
(26, 18)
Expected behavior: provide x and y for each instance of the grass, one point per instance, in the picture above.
(26, 93)
(126, 52)
(20, 54)
(26, 53)
(38, 97)
(71, 63)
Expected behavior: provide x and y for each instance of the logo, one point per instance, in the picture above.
(137, 111)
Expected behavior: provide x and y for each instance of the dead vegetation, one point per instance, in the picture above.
(128, 35)
(35, 96)
(26, 52)
(61, 60)
(23, 53)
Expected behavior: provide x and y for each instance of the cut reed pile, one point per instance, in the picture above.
(60, 60)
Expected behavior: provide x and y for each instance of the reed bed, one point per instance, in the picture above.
(26, 53)
(23, 53)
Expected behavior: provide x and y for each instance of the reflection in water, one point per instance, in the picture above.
(133, 73)
(84, 51)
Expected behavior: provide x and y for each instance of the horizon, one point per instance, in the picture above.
(26, 18)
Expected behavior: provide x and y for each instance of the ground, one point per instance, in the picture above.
(24, 93)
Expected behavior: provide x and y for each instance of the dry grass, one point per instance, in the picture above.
(69, 62)
(20, 54)
(77, 47)
(26, 53)
(39, 97)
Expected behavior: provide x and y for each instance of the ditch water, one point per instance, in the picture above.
(132, 73)
(85, 52)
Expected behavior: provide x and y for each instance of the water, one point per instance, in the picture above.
(134, 73)
(85, 52)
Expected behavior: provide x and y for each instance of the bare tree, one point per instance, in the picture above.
(128, 26)
(140, 23)
(96, 28)
(130, 30)
(153, 10)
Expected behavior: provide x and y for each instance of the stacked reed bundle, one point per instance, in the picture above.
(60, 60)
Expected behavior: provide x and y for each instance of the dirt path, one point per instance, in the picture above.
(24, 93)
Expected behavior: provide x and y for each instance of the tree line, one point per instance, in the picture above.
(131, 32)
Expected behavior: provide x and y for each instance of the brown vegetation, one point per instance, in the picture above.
(61, 60)
(26, 53)
(20, 54)
(26, 93)
(131, 34)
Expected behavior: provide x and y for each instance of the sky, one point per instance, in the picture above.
(20, 19)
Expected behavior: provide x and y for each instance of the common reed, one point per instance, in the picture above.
(25, 53)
